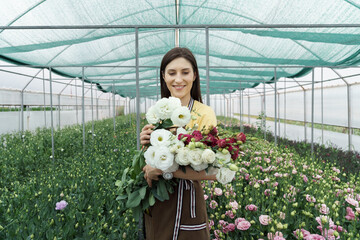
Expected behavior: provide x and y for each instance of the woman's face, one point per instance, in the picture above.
(179, 77)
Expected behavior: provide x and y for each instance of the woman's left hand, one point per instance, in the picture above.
(151, 173)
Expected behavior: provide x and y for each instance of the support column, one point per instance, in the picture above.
(83, 107)
(52, 118)
(275, 122)
(312, 112)
(137, 88)
(207, 68)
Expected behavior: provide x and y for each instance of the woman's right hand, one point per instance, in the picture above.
(145, 134)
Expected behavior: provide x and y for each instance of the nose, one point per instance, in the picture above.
(178, 78)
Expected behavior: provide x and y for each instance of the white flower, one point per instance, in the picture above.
(181, 116)
(195, 156)
(174, 102)
(208, 156)
(150, 156)
(176, 145)
(152, 115)
(199, 167)
(164, 110)
(222, 159)
(172, 168)
(183, 156)
(225, 175)
(164, 159)
(160, 137)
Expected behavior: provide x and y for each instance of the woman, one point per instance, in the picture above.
(184, 215)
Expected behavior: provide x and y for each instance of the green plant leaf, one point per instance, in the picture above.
(133, 200)
(142, 192)
(151, 199)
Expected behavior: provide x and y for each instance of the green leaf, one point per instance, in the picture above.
(121, 197)
(118, 183)
(167, 123)
(161, 190)
(142, 192)
(124, 174)
(137, 212)
(153, 190)
(151, 199)
(133, 200)
(183, 168)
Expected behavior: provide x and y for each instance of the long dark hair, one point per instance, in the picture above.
(170, 56)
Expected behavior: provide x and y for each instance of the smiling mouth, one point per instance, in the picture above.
(178, 87)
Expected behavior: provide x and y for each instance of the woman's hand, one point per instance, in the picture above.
(151, 173)
(145, 134)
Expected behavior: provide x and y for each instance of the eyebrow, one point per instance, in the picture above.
(181, 69)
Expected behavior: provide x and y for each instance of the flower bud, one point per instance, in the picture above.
(233, 167)
(225, 151)
(191, 145)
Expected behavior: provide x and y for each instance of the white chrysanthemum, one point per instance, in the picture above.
(152, 115)
(160, 137)
(199, 167)
(150, 156)
(183, 156)
(208, 156)
(172, 168)
(222, 159)
(181, 116)
(176, 145)
(195, 156)
(174, 103)
(164, 110)
(164, 159)
(225, 175)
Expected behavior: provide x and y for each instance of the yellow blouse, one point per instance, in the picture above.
(205, 117)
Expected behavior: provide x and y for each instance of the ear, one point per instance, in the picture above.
(194, 76)
(163, 74)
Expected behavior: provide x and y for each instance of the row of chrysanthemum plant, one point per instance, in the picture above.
(279, 195)
(70, 195)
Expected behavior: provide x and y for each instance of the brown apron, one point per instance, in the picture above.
(172, 220)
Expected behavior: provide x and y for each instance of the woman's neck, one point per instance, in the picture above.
(185, 101)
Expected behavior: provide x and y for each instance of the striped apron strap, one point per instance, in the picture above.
(188, 185)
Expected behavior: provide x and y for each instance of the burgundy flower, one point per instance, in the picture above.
(214, 131)
(221, 143)
(197, 135)
(241, 137)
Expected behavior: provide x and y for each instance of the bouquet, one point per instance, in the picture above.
(173, 147)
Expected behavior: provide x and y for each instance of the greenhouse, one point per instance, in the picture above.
(80, 81)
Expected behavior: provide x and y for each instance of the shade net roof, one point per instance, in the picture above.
(238, 57)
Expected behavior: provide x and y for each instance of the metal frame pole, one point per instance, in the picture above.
(275, 95)
(113, 91)
(230, 110)
(92, 110)
(224, 108)
(59, 111)
(76, 103)
(312, 111)
(279, 121)
(43, 73)
(83, 106)
(322, 107)
(242, 111)
(52, 118)
(137, 88)
(264, 115)
(249, 105)
(285, 109)
(207, 68)
(22, 101)
(305, 136)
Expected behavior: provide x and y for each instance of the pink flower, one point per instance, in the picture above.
(217, 233)
(229, 228)
(282, 215)
(218, 191)
(324, 209)
(303, 231)
(305, 178)
(247, 176)
(239, 220)
(357, 210)
(350, 215)
(213, 204)
(234, 205)
(211, 223)
(223, 223)
(265, 219)
(61, 205)
(279, 238)
(251, 207)
(267, 192)
(314, 237)
(206, 197)
(352, 201)
(230, 214)
(241, 137)
(336, 170)
(275, 184)
(294, 171)
(221, 143)
(243, 225)
(310, 198)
